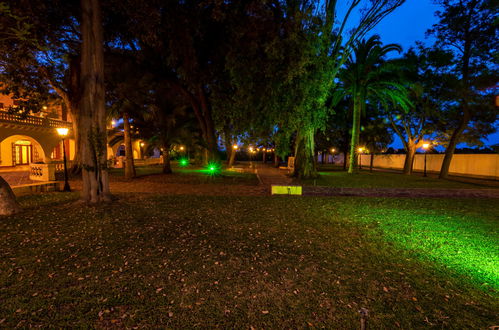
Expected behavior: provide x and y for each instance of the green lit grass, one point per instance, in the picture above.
(365, 179)
(236, 262)
(461, 235)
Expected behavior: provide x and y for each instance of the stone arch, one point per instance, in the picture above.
(40, 150)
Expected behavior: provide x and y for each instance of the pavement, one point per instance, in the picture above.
(269, 175)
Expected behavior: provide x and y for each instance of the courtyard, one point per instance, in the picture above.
(219, 252)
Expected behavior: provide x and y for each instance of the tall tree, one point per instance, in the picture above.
(92, 123)
(368, 75)
(465, 30)
(331, 50)
(423, 84)
(48, 61)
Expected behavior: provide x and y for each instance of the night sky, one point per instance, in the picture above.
(405, 26)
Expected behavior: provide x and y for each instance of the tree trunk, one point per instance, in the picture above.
(232, 157)
(228, 147)
(129, 164)
(8, 203)
(371, 163)
(449, 152)
(209, 127)
(92, 106)
(305, 165)
(167, 167)
(355, 133)
(264, 156)
(276, 160)
(409, 157)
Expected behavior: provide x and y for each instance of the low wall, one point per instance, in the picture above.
(479, 165)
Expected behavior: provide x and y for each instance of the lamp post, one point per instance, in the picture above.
(333, 150)
(63, 132)
(361, 149)
(425, 147)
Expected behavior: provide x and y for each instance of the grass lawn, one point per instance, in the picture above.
(241, 262)
(191, 175)
(334, 177)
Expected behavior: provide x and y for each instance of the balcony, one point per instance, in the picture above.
(31, 121)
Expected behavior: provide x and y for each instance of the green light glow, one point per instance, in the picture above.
(459, 242)
(183, 162)
(213, 168)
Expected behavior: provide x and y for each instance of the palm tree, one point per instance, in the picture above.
(369, 76)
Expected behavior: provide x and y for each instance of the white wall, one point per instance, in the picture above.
(483, 165)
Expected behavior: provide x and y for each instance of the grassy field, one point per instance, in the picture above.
(241, 262)
(335, 177)
(192, 175)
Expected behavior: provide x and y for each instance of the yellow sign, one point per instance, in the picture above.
(286, 190)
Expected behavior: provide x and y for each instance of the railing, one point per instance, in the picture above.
(32, 120)
(42, 172)
(59, 165)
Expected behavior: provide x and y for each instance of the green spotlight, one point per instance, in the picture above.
(213, 168)
(183, 162)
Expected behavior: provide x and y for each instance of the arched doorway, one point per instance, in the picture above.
(23, 152)
(20, 150)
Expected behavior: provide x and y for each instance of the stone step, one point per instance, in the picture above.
(31, 188)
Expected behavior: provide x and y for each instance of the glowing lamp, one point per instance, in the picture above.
(235, 147)
(426, 145)
(361, 149)
(142, 144)
(181, 148)
(184, 162)
(213, 168)
(62, 131)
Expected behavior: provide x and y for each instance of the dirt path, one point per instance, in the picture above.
(269, 175)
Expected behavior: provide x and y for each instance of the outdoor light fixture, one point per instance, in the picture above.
(181, 148)
(184, 162)
(213, 168)
(113, 122)
(44, 107)
(333, 150)
(142, 144)
(235, 146)
(63, 132)
(361, 149)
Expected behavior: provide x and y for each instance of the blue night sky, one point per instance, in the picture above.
(408, 24)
